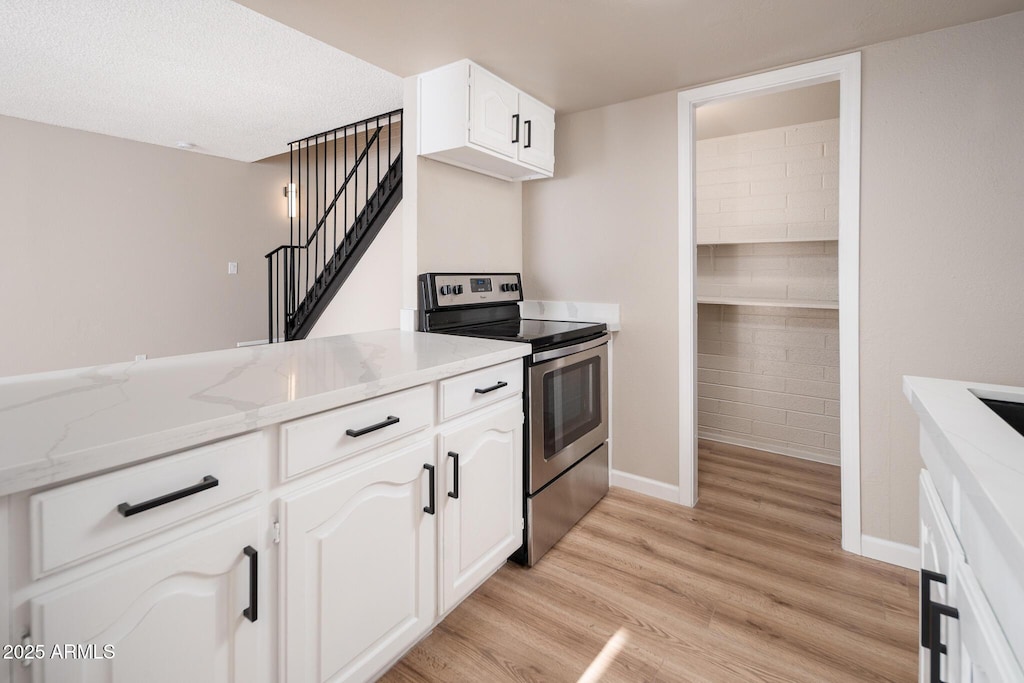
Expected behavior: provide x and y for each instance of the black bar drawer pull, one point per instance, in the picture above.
(515, 127)
(455, 492)
(927, 577)
(488, 390)
(430, 508)
(391, 420)
(936, 611)
(127, 509)
(250, 611)
(528, 125)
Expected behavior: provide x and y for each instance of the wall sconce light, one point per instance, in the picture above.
(291, 192)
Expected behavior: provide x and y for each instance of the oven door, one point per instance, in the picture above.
(568, 391)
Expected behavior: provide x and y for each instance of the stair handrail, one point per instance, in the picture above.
(337, 195)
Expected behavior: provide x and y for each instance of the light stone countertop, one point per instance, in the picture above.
(982, 451)
(64, 424)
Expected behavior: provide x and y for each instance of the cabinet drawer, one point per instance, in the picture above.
(319, 440)
(477, 389)
(80, 520)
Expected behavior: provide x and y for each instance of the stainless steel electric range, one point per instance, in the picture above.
(565, 384)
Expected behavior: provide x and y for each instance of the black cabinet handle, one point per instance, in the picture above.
(455, 493)
(488, 390)
(936, 611)
(127, 509)
(391, 420)
(528, 125)
(515, 127)
(927, 577)
(250, 611)
(430, 508)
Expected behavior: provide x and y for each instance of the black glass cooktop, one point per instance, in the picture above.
(540, 333)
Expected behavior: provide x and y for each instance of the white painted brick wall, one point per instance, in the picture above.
(795, 271)
(772, 185)
(768, 377)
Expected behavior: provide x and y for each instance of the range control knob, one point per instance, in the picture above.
(506, 287)
(445, 290)
(514, 287)
(458, 289)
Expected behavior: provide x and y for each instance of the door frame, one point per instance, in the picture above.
(846, 70)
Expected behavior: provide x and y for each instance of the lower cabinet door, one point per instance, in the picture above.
(985, 653)
(941, 553)
(483, 498)
(171, 615)
(359, 567)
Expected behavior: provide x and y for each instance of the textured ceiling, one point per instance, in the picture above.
(580, 54)
(209, 72)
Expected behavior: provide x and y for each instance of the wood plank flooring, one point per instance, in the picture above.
(751, 585)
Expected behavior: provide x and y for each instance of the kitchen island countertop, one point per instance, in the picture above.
(984, 453)
(69, 423)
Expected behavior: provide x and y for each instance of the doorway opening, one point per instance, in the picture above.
(769, 255)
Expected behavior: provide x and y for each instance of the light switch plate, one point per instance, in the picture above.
(232, 268)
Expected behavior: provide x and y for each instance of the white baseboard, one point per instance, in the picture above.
(899, 554)
(648, 487)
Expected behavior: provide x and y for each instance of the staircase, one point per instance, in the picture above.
(344, 185)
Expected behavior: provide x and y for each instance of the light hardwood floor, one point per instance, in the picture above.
(751, 585)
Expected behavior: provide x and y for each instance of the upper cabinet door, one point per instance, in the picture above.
(537, 133)
(492, 104)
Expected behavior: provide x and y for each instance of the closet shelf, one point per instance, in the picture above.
(782, 303)
(773, 240)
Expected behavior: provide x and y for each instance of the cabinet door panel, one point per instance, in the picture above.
(492, 103)
(537, 139)
(985, 653)
(940, 553)
(172, 615)
(483, 526)
(359, 568)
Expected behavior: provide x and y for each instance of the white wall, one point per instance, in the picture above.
(604, 229)
(941, 238)
(941, 241)
(771, 184)
(111, 248)
(768, 378)
(371, 297)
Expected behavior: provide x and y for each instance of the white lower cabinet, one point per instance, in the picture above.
(483, 514)
(359, 567)
(940, 554)
(171, 615)
(330, 573)
(960, 635)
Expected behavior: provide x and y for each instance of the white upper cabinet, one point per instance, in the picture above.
(470, 118)
(537, 136)
(492, 112)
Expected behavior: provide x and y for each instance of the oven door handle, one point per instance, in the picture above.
(569, 350)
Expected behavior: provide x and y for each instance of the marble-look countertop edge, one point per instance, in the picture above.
(67, 466)
(966, 461)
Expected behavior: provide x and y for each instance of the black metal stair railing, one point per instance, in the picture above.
(345, 183)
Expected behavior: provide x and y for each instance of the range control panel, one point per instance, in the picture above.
(438, 290)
